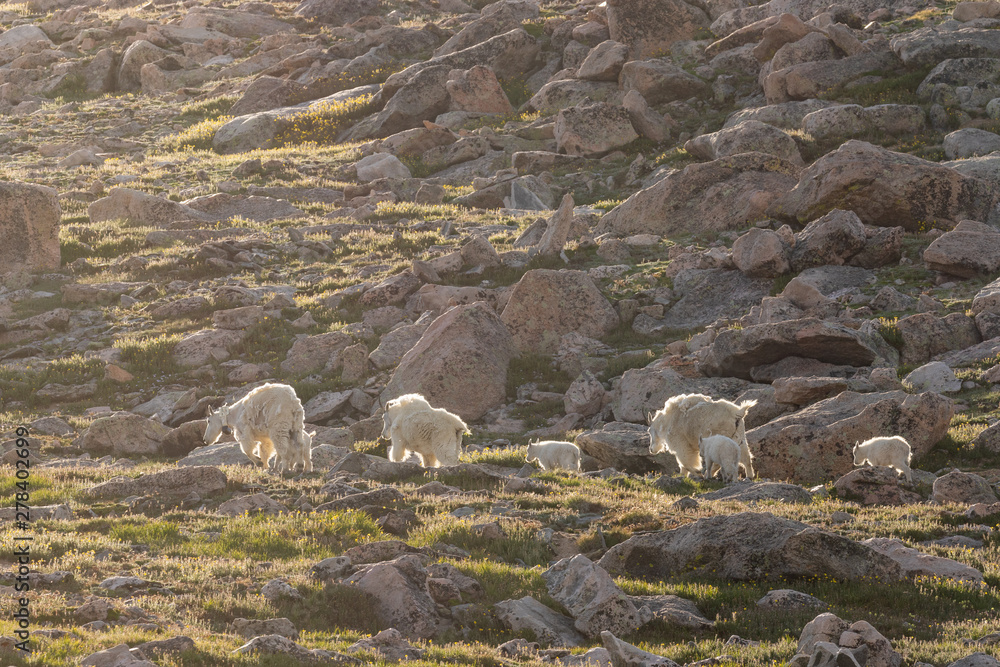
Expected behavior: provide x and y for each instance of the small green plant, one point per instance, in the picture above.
(149, 354)
(890, 332)
(197, 137)
(322, 123)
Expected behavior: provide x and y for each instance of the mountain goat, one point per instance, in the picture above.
(885, 451)
(554, 454)
(266, 422)
(433, 434)
(687, 418)
(719, 452)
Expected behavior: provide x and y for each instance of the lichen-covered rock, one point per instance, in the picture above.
(746, 137)
(593, 130)
(592, 598)
(964, 488)
(29, 226)
(650, 27)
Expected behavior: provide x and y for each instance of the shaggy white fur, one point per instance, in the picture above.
(891, 451)
(720, 453)
(266, 422)
(433, 434)
(687, 418)
(554, 454)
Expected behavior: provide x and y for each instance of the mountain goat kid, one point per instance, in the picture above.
(722, 454)
(554, 454)
(885, 451)
(266, 422)
(687, 418)
(433, 434)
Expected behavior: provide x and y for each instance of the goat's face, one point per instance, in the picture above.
(859, 458)
(532, 454)
(656, 443)
(386, 424)
(216, 422)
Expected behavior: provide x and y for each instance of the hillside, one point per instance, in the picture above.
(548, 218)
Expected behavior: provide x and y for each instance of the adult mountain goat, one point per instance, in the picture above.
(266, 422)
(687, 418)
(433, 434)
(886, 451)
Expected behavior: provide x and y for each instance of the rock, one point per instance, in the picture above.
(802, 447)
(591, 597)
(138, 54)
(803, 391)
(29, 225)
(563, 93)
(970, 142)
(987, 300)
(647, 122)
(250, 628)
(926, 47)
(916, 564)
(400, 590)
(925, 335)
(394, 289)
(143, 209)
(389, 644)
(593, 130)
(787, 115)
(660, 81)
(124, 434)
(331, 568)
(206, 346)
(585, 396)
(748, 491)
(969, 250)
(747, 546)
(557, 229)
(935, 376)
(746, 137)
(380, 165)
(176, 644)
(829, 240)
(313, 353)
(571, 303)
(650, 27)
(963, 488)
(713, 196)
(478, 90)
(789, 600)
(673, 610)
(223, 453)
(625, 446)
(460, 363)
(395, 344)
(849, 178)
(549, 627)
(849, 121)
(478, 251)
(258, 503)
(604, 62)
(117, 656)
(735, 352)
(53, 512)
(874, 486)
(237, 318)
(184, 439)
(203, 480)
(989, 439)
(277, 589)
(278, 645)
(976, 660)
(337, 12)
(760, 253)
(624, 654)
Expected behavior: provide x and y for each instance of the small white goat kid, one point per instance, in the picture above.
(892, 451)
(266, 422)
(722, 454)
(687, 418)
(554, 454)
(433, 434)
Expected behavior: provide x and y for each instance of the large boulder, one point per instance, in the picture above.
(748, 136)
(29, 226)
(928, 46)
(549, 627)
(660, 81)
(460, 363)
(403, 602)
(917, 564)
(592, 598)
(814, 445)
(761, 253)
(971, 249)
(142, 209)
(874, 486)
(337, 12)
(707, 295)
(625, 446)
(203, 480)
(736, 352)
(138, 53)
(925, 335)
(886, 189)
(748, 546)
(546, 304)
(848, 121)
(313, 353)
(593, 130)
(806, 80)
(650, 27)
(723, 194)
(963, 488)
(124, 434)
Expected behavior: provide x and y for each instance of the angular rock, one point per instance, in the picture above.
(650, 27)
(593, 130)
(874, 486)
(570, 302)
(124, 434)
(916, 564)
(964, 488)
(969, 250)
(747, 546)
(660, 81)
(549, 627)
(203, 480)
(400, 588)
(29, 225)
(760, 253)
(624, 654)
(925, 336)
(802, 447)
(460, 363)
(746, 137)
(625, 446)
(591, 597)
(935, 376)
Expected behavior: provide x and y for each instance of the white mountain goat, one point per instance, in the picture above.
(892, 451)
(554, 454)
(433, 434)
(719, 452)
(687, 418)
(266, 422)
